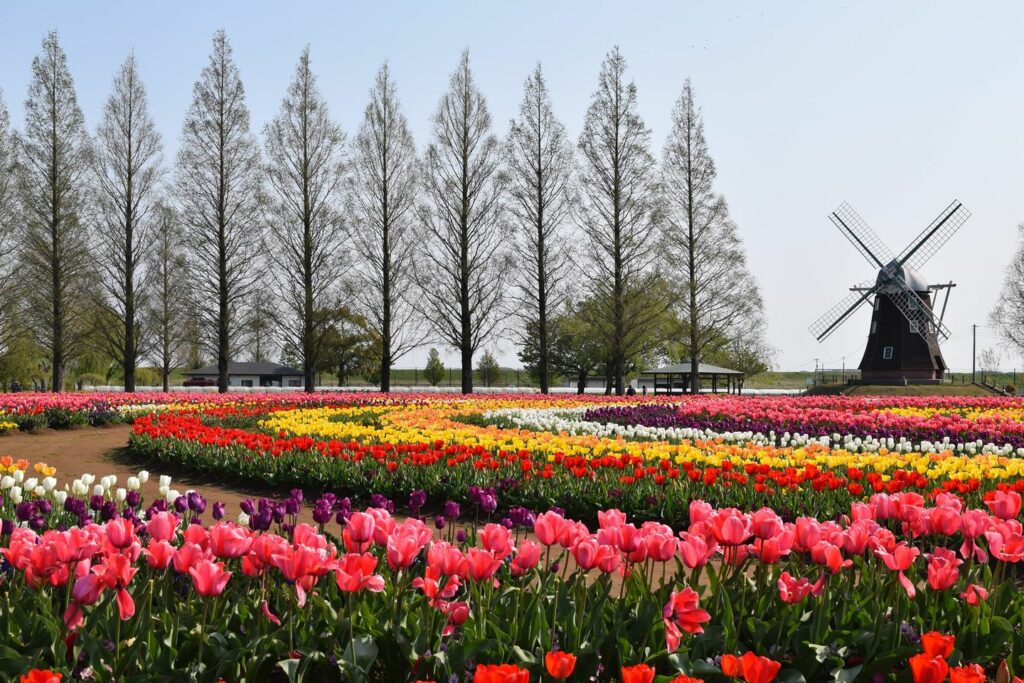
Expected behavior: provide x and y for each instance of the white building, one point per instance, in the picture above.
(249, 375)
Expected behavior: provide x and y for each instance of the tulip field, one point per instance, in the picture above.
(517, 538)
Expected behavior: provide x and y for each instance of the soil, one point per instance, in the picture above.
(102, 451)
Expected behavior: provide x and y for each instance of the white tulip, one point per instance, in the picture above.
(31, 483)
(133, 483)
(15, 494)
(50, 483)
(39, 491)
(243, 519)
(120, 495)
(19, 476)
(165, 481)
(172, 495)
(6, 482)
(143, 476)
(59, 497)
(88, 479)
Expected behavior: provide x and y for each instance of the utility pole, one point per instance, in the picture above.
(974, 350)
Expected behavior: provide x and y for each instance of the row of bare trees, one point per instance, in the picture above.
(477, 238)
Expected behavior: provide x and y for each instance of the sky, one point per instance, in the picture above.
(897, 108)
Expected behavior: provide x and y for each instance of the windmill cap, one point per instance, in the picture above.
(913, 278)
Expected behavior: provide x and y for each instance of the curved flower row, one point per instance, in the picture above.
(108, 584)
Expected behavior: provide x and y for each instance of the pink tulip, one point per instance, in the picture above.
(158, 554)
(1004, 504)
(793, 590)
(481, 564)
(497, 539)
(548, 527)
(402, 548)
(730, 526)
(229, 541)
(209, 578)
(120, 532)
(162, 526)
(943, 569)
(354, 573)
(527, 557)
(766, 523)
(974, 595)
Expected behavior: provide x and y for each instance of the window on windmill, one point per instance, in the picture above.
(874, 326)
(886, 353)
(914, 329)
(877, 299)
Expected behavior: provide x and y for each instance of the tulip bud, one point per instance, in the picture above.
(143, 476)
(120, 495)
(165, 481)
(98, 490)
(15, 495)
(133, 484)
(60, 497)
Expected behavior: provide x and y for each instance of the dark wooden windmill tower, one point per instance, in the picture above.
(903, 341)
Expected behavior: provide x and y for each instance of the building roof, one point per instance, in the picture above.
(245, 369)
(686, 369)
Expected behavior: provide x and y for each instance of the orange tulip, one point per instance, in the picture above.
(500, 673)
(638, 673)
(936, 644)
(560, 665)
(927, 669)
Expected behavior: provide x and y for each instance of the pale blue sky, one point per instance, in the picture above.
(895, 107)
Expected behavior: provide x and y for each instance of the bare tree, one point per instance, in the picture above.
(218, 179)
(617, 216)
(260, 326)
(304, 150)
(539, 168)
(128, 169)
(8, 218)
(705, 253)
(1008, 315)
(166, 308)
(385, 235)
(55, 155)
(463, 274)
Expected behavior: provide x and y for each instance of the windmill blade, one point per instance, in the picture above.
(931, 239)
(914, 309)
(862, 237)
(837, 315)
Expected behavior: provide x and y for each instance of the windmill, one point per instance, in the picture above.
(903, 342)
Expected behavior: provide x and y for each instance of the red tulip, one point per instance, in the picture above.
(935, 644)
(481, 564)
(559, 665)
(793, 590)
(759, 669)
(732, 666)
(500, 673)
(928, 669)
(355, 572)
(683, 678)
(41, 676)
(638, 673)
(972, 673)
(209, 578)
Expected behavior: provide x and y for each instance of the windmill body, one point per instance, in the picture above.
(903, 340)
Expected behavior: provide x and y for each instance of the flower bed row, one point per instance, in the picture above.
(108, 587)
(400, 449)
(953, 420)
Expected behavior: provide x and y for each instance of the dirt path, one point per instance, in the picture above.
(100, 451)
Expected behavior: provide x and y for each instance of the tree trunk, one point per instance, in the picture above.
(581, 383)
